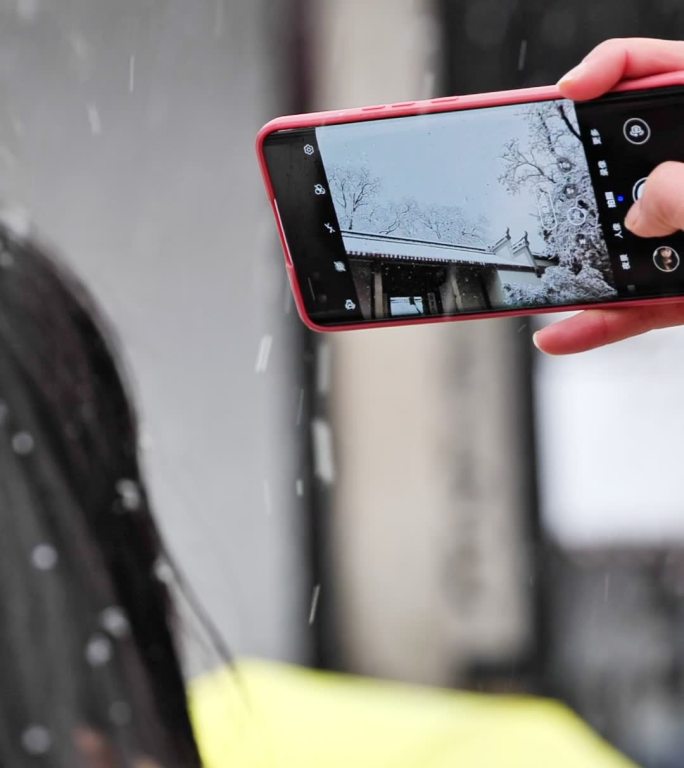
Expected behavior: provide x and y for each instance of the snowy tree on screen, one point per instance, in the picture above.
(552, 166)
(560, 285)
(393, 218)
(354, 191)
(363, 206)
(450, 224)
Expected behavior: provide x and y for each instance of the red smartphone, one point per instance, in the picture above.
(489, 205)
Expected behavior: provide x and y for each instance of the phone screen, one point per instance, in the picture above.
(497, 208)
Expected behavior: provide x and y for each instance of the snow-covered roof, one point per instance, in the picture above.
(404, 249)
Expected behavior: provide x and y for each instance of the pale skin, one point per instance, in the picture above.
(97, 752)
(659, 212)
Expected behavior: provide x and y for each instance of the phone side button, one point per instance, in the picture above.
(283, 238)
(403, 105)
(446, 100)
(373, 109)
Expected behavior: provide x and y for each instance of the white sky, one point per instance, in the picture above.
(447, 159)
(610, 442)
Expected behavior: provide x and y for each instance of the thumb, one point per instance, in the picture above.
(660, 210)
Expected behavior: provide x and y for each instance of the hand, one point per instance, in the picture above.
(97, 752)
(659, 212)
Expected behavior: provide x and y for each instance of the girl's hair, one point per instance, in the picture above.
(87, 656)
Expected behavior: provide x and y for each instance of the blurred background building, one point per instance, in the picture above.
(436, 505)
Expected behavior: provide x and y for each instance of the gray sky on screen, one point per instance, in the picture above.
(444, 159)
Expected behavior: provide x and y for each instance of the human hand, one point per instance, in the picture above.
(98, 752)
(659, 212)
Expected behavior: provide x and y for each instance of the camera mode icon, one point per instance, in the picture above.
(577, 216)
(637, 131)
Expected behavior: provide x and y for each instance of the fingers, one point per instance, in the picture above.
(98, 751)
(597, 327)
(94, 748)
(619, 59)
(660, 210)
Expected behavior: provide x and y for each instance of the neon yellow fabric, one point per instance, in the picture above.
(274, 716)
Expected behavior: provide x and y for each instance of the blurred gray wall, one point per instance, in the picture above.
(127, 129)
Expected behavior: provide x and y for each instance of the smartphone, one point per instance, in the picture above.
(488, 205)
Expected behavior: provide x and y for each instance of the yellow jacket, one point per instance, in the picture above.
(266, 715)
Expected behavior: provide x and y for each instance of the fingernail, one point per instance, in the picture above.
(573, 74)
(633, 216)
(535, 340)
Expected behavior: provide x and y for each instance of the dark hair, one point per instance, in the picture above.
(86, 642)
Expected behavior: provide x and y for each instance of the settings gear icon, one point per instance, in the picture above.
(309, 150)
